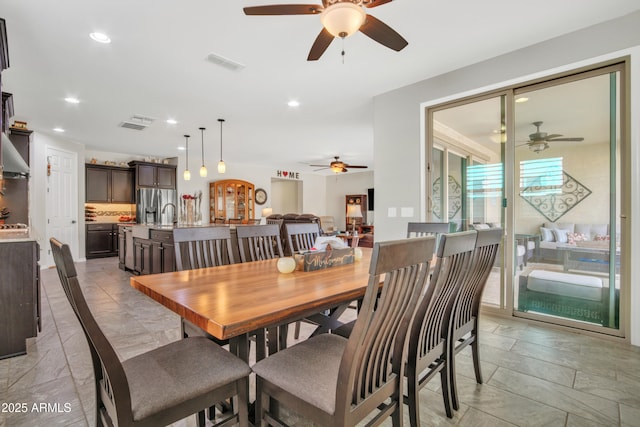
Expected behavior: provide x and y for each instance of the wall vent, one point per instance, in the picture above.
(137, 122)
(227, 63)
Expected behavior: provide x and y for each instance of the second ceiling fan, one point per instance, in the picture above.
(539, 141)
(338, 166)
(340, 18)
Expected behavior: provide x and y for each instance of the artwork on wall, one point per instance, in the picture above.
(554, 201)
(455, 197)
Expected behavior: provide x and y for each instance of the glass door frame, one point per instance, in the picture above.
(510, 191)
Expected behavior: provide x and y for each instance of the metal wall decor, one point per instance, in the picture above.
(455, 197)
(553, 201)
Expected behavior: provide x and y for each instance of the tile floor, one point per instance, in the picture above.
(533, 375)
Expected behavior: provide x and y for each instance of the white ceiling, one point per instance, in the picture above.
(156, 67)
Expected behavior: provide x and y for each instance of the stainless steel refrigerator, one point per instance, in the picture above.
(156, 206)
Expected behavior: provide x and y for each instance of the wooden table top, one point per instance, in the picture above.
(231, 300)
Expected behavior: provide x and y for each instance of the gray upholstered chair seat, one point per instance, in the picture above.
(308, 370)
(179, 371)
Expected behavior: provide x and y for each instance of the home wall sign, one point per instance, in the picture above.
(287, 174)
(553, 201)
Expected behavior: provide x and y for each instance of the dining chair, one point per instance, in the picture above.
(335, 381)
(234, 221)
(200, 247)
(300, 236)
(258, 242)
(158, 387)
(219, 220)
(418, 229)
(466, 308)
(428, 335)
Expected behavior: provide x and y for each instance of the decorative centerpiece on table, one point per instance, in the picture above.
(190, 208)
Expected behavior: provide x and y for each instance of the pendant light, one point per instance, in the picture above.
(187, 173)
(221, 166)
(203, 168)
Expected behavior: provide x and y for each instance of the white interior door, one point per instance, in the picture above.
(62, 197)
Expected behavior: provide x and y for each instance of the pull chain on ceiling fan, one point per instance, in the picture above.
(340, 18)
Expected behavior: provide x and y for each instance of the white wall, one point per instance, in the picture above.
(339, 186)
(399, 127)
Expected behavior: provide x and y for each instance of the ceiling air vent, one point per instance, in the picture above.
(225, 62)
(137, 122)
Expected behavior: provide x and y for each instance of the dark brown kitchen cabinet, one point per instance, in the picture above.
(19, 296)
(105, 184)
(153, 175)
(143, 263)
(102, 240)
(163, 258)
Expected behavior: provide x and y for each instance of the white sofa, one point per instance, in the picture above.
(568, 233)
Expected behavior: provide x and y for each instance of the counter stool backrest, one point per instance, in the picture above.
(201, 247)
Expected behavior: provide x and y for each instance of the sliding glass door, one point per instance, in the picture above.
(467, 173)
(567, 163)
(545, 162)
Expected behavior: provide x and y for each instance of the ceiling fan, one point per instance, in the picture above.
(539, 141)
(340, 18)
(338, 166)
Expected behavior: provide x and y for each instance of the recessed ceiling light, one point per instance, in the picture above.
(60, 130)
(172, 121)
(293, 103)
(72, 100)
(100, 37)
(522, 99)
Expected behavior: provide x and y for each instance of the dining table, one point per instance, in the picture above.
(231, 302)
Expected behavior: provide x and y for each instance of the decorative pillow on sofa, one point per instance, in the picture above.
(547, 234)
(560, 235)
(572, 238)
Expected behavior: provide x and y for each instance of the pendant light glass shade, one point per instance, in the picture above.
(203, 168)
(222, 168)
(187, 174)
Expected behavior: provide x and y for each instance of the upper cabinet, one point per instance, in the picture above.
(107, 184)
(231, 199)
(153, 175)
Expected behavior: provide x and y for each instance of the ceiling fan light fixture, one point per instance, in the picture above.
(538, 147)
(343, 19)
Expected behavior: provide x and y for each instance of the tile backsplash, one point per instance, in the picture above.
(108, 212)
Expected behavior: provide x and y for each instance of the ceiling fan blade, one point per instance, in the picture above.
(375, 3)
(566, 139)
(383, 34)
(356, 166)
(321, 169)
(553, 135)
(321, 44)
(284, 9)
(320, 166)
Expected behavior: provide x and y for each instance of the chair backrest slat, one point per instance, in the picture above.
(373, 356)
(300, 236)
(201, 247)
(258, 242)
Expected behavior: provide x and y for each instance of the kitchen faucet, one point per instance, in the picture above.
(164, 208)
